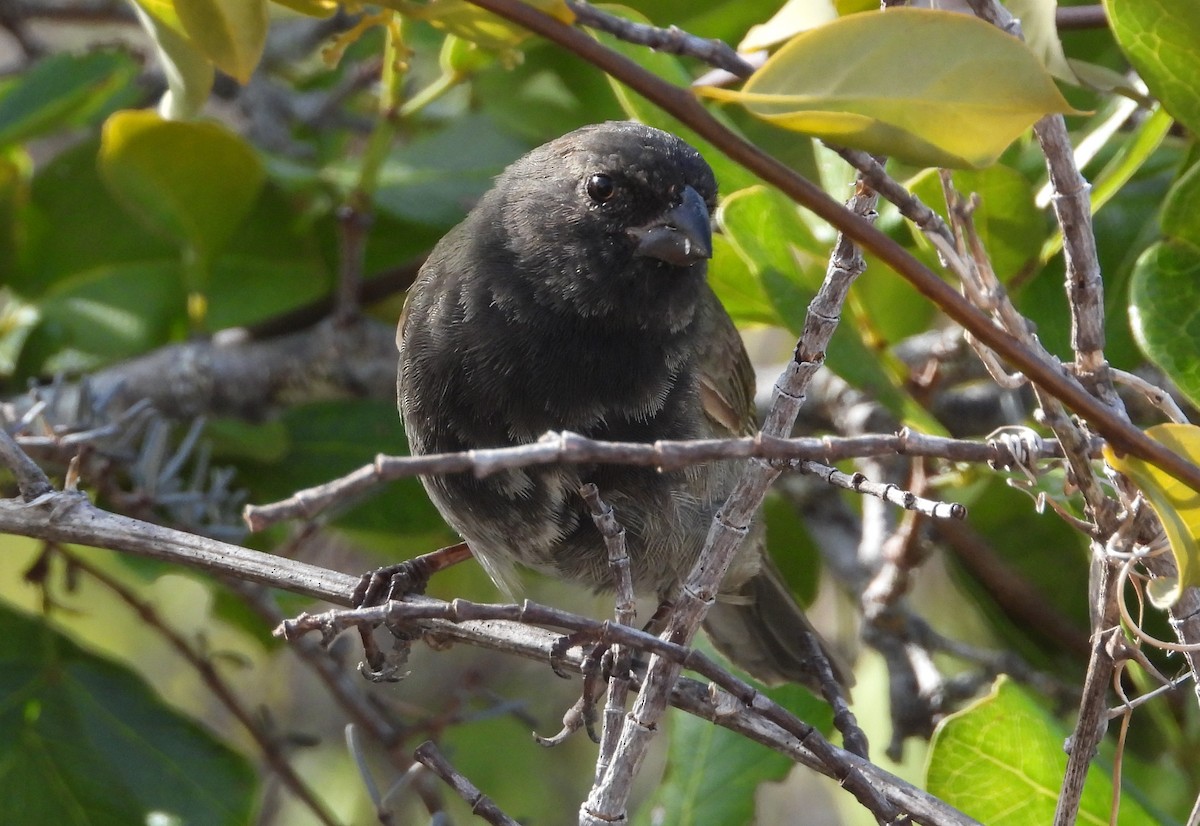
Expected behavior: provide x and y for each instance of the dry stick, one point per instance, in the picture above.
(626, 613)
(571, 448)
(683, 105)
(832, 761)
(68, 518)
(1085, 290)
(268, 745)
(482, 805)
(608, 799)
(31, 480)
(343, 686)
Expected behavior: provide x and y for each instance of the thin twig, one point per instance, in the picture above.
(432, 758)
(216, 684)
(571, 448)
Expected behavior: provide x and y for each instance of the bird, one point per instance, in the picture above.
(574, 297)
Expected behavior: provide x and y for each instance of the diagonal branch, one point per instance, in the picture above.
(683, 105)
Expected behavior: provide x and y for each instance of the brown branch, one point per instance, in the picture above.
(683, 105)
(432, 758)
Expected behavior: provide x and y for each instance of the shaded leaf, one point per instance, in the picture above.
(713, 773)
(1176, 505)
(328, 439)
(97, 736)
(1001, 761)
(193, 182)
(1160, 37)
(63, 90)
(967, 90)
(1008, 222)
(230, 33)
(434, 180)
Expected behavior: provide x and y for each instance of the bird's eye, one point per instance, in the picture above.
(601, 188)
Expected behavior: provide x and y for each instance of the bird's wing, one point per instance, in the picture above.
(726, 375)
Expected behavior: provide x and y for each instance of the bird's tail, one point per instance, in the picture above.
(762, 630)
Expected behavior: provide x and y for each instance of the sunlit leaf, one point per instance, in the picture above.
(231, 33)
(1041, 35)
(966, 92)
(1160, 37)
(1001, 761)
(1181, 212)
(194, 182)
(188, 71)
(17, 319)
(793, 17)
(1176, 505)
(310, 8)
(472, 23)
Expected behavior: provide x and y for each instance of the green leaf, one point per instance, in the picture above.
(1159, 37)
(311, 8)
(192, 182)
(472, 23)
(783, 264)
(1164, 311)
(329, 439)
(1181, 212)
(966, 92)
(1040, 31)
(17, 320)
(85, 741)
(1001, 761)
(712, 775)
(793, 17)
(189, 73)
(1009, 224)
(114, 312)
(1176, 505)
(430, 179)
(63, 90)
(230, 33)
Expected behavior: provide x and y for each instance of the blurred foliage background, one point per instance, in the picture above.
(122, 233)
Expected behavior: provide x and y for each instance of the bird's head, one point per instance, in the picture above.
(612, 219)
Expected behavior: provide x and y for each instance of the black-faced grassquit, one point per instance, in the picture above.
(574, 297)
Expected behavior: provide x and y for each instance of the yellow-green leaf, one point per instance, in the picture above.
(1176, 505)
(193, 182)
(189, 73)
(475, 24)
(931, 88)
(1001, 761)
(793, 17)
(231, 33)
(311, 8)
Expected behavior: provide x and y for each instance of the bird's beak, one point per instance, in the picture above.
(681, 236)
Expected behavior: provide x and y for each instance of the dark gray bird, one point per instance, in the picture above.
(573, 297)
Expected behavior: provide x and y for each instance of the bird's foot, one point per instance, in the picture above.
(407, 577)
